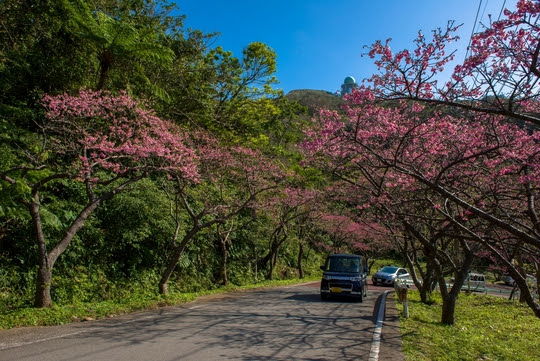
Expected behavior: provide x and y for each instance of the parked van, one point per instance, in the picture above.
(344, 275)
(475, 282)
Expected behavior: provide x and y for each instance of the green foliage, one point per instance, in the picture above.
(30, 30)
(487, 328)
(142, 47)
(119, 43)
(136, 223)
(16, 288)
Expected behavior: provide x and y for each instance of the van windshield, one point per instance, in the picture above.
(343, 264)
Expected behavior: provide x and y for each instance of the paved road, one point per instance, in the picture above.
(289, 323)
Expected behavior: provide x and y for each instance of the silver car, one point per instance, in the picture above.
(388, 274)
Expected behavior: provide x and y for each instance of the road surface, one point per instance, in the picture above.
(288, 323)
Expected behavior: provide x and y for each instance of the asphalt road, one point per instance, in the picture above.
(289, 323)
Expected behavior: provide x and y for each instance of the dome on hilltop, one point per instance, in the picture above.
(349, 80)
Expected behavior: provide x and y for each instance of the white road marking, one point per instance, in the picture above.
(5, 346)
(376, 342)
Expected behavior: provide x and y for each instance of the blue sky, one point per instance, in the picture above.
(319, 42)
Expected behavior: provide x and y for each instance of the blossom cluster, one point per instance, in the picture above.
(113, 132)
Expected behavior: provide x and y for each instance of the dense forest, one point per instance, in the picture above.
(134, 154)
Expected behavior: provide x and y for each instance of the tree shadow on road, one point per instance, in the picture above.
(277, 325)
(316, 298)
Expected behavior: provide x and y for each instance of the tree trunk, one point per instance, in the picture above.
(448, 309)
(424, 295)
(46, 259)
(42, 297)
(449, 297)
(265, 261)
(522, 272)
(173, 260)
(105, 61)
(424, 285)
(272, 263)
(224, 260)
(521, 281)
(525, 294)
(513, 292)
(537, 265)
(223, 243)
(427, 285)
(271, 257)
(299, 261)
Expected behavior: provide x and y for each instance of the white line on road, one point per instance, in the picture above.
(376, 342)
(5, 346)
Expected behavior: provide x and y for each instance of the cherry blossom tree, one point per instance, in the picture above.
(285, 208)
(483, 166)
(349, 228)
(105, 142)
(470, 143)
(231, 179)
(501, 75)
(499, 78)
(407, 218)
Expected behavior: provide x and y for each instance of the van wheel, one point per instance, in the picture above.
(361, 297)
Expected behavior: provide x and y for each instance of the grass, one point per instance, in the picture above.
(486, 328)
(62, 314)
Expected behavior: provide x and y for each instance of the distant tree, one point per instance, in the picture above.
(231, 179)
(284, 209)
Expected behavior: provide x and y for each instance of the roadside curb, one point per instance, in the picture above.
(376, 341)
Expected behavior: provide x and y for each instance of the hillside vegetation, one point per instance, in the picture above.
(315, 99)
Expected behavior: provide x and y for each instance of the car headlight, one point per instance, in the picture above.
(356, 279)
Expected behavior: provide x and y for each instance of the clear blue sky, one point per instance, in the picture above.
(319, 42)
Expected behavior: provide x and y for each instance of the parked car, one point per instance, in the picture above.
(388, 274)
(508, 280)
(344, 275)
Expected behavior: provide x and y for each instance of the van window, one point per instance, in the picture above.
(344, 264)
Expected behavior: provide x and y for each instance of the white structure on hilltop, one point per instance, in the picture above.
(348, 85)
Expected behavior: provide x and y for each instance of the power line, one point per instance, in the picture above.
(474, 27)
(483, 12)
(502, 9)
